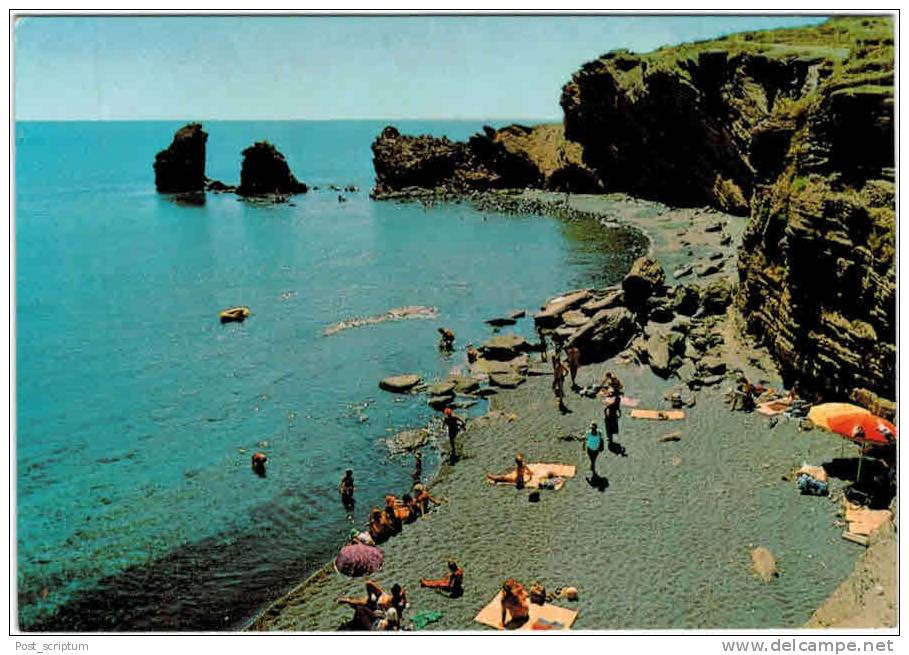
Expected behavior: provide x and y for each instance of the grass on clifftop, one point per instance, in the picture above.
(865, 38)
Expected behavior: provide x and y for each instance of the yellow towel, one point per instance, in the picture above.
(491, 615)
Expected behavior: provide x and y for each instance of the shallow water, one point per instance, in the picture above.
(137, 411)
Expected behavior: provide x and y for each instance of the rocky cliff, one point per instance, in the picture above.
(512, 157)
(181, 167)
(795, 129)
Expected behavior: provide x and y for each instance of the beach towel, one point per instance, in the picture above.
(424, 618)
(540, 615)
(630, 402)
(658, 414)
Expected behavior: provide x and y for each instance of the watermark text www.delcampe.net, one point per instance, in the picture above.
(834, 646)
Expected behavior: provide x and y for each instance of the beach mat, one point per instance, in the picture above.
(658, 414)
(491, 615)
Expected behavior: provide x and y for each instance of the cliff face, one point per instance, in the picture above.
(795, 129)
(817, 266)
(512, 157)
(181, 167)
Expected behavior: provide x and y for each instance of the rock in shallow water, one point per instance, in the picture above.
(399, 383)
(505, 347)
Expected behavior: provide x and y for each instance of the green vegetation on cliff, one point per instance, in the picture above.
(795, 129)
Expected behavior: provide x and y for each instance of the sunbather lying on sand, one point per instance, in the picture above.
(516, 477)
(453, 583)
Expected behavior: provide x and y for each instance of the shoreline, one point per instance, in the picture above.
(663, 227)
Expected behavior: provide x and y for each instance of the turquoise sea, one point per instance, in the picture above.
(137, 411)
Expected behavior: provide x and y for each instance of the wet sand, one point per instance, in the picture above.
(666, 544)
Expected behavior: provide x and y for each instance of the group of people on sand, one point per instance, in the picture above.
(388, 521)
(384, 612)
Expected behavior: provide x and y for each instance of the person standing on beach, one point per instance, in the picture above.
(454, 424)
(346, 489)
(573, 353)
(593, 442)
(611, 413)
(542, 338)
(558, 381)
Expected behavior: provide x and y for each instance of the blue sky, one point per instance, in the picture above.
(326, 67)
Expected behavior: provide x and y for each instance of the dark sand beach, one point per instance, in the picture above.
(667, 543)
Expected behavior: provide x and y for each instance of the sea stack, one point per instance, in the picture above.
(181, 167)
(265, 172)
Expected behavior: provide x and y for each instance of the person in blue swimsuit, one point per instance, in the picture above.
(593, 441)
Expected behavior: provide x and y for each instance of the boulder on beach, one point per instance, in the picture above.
(574, 318)
(265, 171)
(550, 314)
(703, 269)
(606, 334)
(716, 296)
(505, 380)
(612, 297)
(399, 383)
(663, 350)
(686, 299)
(180, 168)
(645, 278)
(763, 563)
(505, 347)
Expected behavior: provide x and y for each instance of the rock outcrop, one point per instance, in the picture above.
(817, 261)
(181, 167)
(794, 128)
(265, 171)
(513, 157)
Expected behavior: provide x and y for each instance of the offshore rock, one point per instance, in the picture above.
(265, 172)
(181, 167)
